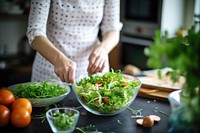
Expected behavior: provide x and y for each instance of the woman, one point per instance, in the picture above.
(65, 35)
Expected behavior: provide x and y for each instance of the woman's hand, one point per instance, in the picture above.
(63, 66)
(99, 56)
(97, 60)
(65, 69)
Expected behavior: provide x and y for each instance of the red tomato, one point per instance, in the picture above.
(105, 100)
(22, 102)
(6, 97)
(20, 117)
(124, 84)
(4, 115)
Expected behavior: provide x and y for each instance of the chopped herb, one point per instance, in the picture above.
(63, 121)
(86, 128)
(136, 113)
(119, 122)
(41, 116)
(46, 89)
(162, 112)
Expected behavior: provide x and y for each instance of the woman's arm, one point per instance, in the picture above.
(110, 40)
(63, 66)
(98, 57)
(110, 28)
(36, 33)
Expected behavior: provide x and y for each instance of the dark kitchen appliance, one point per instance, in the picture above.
(141, 19)
(133, 51)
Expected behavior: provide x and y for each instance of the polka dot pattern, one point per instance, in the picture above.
(72, 26)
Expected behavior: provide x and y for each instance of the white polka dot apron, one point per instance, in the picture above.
(72, 26)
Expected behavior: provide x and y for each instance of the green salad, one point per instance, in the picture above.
(46, 89)
(107, 93)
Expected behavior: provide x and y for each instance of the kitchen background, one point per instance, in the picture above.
(140, 19)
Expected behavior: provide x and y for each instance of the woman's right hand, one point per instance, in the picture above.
(65, 69)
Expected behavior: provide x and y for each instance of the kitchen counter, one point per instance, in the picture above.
(120, 123)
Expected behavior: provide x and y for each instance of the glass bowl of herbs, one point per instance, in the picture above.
(43, 93)
(106, 93)
(62, 120)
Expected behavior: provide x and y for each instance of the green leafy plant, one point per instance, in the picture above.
(181, 53)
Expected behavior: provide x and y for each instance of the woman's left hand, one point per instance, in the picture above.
(97, 60)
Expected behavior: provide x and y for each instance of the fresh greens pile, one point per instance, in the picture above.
(107, 93)
(63, 121)
(45, 89)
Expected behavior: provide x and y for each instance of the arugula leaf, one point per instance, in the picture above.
(46, 89)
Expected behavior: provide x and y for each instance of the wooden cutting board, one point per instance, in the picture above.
(158, 88)
(155, 88)
(154, 93)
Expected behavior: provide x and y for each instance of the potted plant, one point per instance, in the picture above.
(182, 54)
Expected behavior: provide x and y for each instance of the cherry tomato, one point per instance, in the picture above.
(105, 100)
(20, 117)
(124, 84)
(4, 115)
(6, 97)
(22, 102)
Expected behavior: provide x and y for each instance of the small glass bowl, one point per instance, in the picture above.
(174, 99)
(62, 120)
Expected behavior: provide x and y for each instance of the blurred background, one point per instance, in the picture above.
(140, 18)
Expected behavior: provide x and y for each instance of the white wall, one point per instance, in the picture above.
(172, 16)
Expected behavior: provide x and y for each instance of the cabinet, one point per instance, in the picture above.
(14, 75)
(115, 57)
(15, 67)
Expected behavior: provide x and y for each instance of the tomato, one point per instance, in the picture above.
(6, 97)
(105, 100)
(20, 117)
(22, 102)
(124, 84)
(4, 115)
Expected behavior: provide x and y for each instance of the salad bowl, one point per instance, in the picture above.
(106, 94)
(41, 94)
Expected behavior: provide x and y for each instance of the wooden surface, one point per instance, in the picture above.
(154, 93)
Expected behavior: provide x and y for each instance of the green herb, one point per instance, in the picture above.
(180, 53)
(137, 113)
(87, 128)
(63, 121)
(45, 89)
(108, 92)
(162, 112)
(119, 122)
(41, 116)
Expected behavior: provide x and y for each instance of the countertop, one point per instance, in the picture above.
(120, 123)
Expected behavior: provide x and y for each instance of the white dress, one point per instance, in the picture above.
(72, 26)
